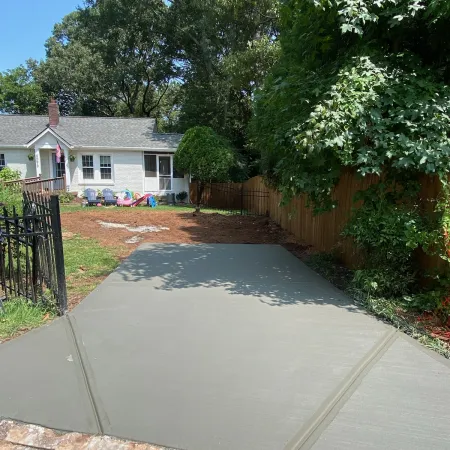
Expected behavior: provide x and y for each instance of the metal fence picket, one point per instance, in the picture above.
(31, 252)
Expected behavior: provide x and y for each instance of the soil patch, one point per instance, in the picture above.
(127, 229)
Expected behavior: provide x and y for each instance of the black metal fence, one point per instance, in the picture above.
(233, 198)
(31, 252)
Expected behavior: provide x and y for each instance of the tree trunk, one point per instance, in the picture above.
(200, 189)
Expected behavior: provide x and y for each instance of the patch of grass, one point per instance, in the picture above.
(87, 263)
(71, 208)
(19, 315)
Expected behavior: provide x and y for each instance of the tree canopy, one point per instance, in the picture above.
(20, 93)
(205, 155)
(360, 83)
(184, 62)
(305, 86)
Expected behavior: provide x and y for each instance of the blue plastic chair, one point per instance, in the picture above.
(109, 197)
(91, 197)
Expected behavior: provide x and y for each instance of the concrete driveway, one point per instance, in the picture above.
(210, 347)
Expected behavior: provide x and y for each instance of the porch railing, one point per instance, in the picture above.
(36, 184)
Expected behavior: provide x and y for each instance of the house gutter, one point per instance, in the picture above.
(137, 149)
(80, 148)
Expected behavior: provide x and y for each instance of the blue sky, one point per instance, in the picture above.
(26, 25)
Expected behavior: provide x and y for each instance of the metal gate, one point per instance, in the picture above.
(31, 252)
(232, 198)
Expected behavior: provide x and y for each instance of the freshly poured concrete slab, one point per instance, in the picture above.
(218, 347)
(402, 403)
(266, 271)
(183, 265)
(41, 381)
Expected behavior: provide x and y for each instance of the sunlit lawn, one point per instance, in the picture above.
(19, 315)
(75, 207)
(87, 263)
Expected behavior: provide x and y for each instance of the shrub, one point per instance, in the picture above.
(182, 196)
(66, 197)
(382, 282)
(8, 174)
(388, 229)
(11, 198)
(206, 156)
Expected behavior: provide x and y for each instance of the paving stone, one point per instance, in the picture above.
(19, 436)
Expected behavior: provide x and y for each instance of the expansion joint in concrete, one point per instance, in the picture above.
(311, 431)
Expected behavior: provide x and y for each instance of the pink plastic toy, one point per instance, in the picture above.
(132, 203)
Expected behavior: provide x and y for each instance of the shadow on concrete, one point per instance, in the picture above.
(268, 272)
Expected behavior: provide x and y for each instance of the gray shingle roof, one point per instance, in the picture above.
(88, 132)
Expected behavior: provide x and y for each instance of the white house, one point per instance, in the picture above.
(97, 152)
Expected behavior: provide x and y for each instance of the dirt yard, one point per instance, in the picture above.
(126, 229)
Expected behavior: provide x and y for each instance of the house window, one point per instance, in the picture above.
(150, 166)
(177, 174)
(88, 167)
(165, 173)
(105, 167)
(59, 169)
(2, 161)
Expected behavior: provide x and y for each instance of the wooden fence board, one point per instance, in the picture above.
(324, 231)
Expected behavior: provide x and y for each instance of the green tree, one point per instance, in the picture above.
(206, 156)
(225, 49)
(361, 84)
(20, 93)
(107, 58)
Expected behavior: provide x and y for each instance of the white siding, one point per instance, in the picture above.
(127, 172)
(17, 159)
(47, 141)
(181, 184)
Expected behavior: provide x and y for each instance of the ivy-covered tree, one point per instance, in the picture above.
(360, 83)
(206, 156)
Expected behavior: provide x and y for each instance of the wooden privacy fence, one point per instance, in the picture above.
(324, 231)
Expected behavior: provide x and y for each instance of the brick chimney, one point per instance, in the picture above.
(53, 113)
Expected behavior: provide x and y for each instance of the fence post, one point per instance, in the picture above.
(242, 199)
(59, 254)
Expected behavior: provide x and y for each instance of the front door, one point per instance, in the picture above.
(59, 169)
